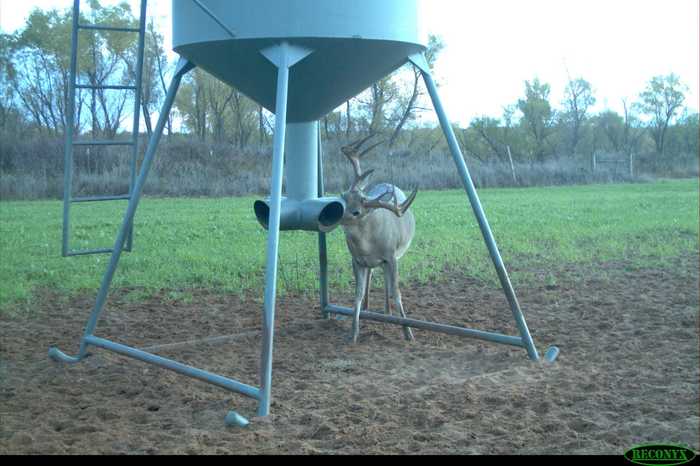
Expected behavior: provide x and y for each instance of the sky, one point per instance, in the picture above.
(494, 46)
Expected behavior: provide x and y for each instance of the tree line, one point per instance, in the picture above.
(34, 74)
(658, 124)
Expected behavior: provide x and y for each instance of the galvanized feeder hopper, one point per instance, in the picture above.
(300, 59)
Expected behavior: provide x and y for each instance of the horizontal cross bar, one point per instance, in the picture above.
(79, 200)
(94, 27)
(103, 143)
(174, 366)
(206, 341)
(420, 324)
(106, 87)
(89, 252)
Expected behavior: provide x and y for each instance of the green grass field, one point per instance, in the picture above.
(182, 244)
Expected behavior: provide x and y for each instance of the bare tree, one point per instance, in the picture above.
(411, 104)
(153, 90)
(382, 94)
(578, 99)
(218, 96)
(193, 104)
(348, 116)
(633, 130)
(244, 114)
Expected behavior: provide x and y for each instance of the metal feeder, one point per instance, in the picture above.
(300, 59)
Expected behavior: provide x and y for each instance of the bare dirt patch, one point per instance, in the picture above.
(628, 373)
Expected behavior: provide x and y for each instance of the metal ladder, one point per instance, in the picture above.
(71, 143)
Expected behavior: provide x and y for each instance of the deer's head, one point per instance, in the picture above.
(358, 204)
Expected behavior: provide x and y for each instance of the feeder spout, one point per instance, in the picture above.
(302, 209)
(317, 215)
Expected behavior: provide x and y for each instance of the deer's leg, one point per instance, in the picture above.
(361, 274)
(387, 290)
(368, 284)
(393, 269)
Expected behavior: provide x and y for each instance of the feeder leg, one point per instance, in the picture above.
(70, 120)
(420, 62)
(322, 239)
(183, 68)
(283, 56)
(273, 236)
(323, 279)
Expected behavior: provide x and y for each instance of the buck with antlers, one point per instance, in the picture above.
(379, 228)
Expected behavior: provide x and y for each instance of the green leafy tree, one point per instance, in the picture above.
(41, 57)
(537, 117)
(7, 74)
(112, 60)
(662, 99)
(682, 138)
(492, 134)
(610, 130)
(210, 107)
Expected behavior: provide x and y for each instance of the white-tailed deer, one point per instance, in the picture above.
(379, 228)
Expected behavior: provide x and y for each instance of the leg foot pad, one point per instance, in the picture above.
(233, 419)
(551, 355)
(59, 356)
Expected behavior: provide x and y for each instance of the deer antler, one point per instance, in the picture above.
(352, 152)
(398, 210)
(360, 179)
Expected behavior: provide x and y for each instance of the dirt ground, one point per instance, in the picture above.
(627, 373)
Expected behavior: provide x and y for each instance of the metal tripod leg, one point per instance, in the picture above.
(420, 62)
(183, 68)
(284, 56)
(322, 238)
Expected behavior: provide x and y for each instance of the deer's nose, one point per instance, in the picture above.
(356, 214)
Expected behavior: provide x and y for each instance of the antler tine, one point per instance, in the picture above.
(357, 145)
(398, 210)
(360, 179)
(351, 152)
(371, 149)
(355, 165)
(407, 205)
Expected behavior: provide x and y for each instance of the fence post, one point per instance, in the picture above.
(594, 161)
(512, 167)
(631, 165)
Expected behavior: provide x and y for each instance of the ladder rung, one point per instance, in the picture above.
(110, 88)
(88, 252)
(103, 143)
(94, 27)
(79, 200)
